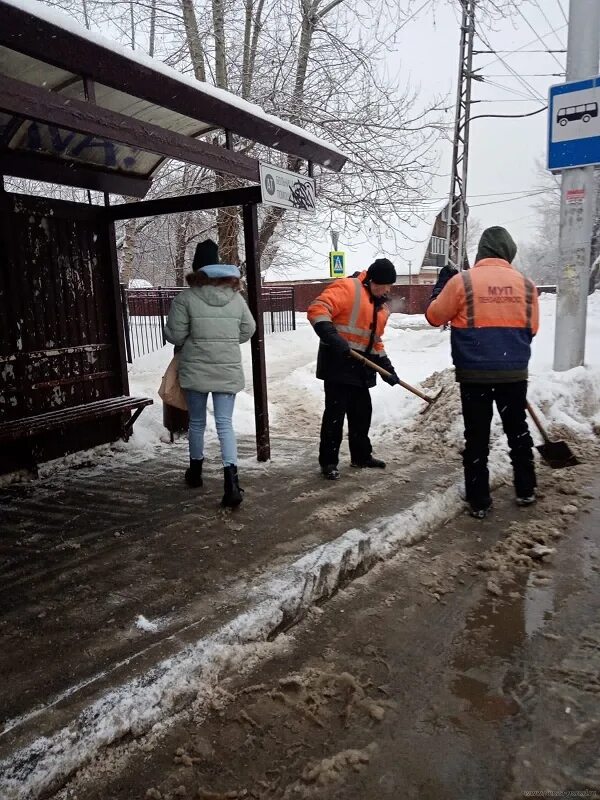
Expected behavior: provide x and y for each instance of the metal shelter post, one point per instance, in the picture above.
(259, 371)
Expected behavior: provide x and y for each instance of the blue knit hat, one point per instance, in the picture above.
(220, 271)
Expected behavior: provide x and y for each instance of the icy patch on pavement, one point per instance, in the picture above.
(146, 625)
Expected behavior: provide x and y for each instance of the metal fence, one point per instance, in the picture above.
(145, 312)
(279, 309)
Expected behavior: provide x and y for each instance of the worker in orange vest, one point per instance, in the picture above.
(494, 314)
(351, 314)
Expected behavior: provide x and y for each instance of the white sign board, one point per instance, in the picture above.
(286, 189)
(574, 124)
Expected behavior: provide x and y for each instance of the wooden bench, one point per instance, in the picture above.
(54, 420)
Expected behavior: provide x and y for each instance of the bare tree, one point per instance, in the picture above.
(321, 64)
(192, 35)
(539, 258)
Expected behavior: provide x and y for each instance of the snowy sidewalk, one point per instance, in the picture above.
(111, 578)
(124, 593)
(464, 668)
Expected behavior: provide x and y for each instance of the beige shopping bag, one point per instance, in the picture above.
(170, 391)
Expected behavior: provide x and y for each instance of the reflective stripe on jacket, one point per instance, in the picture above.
(348, 304)
(494, 314)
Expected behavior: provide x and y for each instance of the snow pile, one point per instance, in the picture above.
(568, 400)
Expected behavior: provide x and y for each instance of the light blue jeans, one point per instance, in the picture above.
(223, 407)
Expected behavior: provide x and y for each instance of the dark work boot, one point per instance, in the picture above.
(193, 475)
(233, 494)
(369, 463)
(330, 472)
(480, 512)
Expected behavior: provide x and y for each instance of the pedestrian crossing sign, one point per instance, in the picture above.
(337, 264)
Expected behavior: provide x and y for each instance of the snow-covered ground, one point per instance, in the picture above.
(571, 399)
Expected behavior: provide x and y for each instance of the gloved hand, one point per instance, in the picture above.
(339, 344)
(446, 273)
(393, 379)
(327, 333)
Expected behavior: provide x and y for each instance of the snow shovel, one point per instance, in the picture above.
(428, 399)
(556, 454)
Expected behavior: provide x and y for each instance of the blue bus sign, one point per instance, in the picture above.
(574, 125)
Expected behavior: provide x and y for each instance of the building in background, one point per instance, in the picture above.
(428, 253)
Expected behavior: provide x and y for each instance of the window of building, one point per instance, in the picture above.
(437, 246)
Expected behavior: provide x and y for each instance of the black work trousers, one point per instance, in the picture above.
(341, 400)
(477, 407)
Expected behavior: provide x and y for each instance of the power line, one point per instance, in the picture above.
(527, 75)
(533, 30)
(521, 49)
(543, 13)
(562, 11)
(532, 92)
(509, 200)
(423, 207)
(516, 194)
(413, 15)
(510, 116)
(518, 93)
(503, 194)
(507, 100)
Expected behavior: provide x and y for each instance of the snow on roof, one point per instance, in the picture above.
(139, 283)
(61, 20)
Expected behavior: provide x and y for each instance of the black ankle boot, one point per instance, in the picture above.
(193, 475)
(233, 494)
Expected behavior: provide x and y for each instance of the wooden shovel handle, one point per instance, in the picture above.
(387, 374)
(538, 422)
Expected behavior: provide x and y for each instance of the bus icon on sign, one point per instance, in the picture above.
(583, 112)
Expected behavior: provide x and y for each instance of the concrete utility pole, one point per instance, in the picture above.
(457, 206)
(576, 215)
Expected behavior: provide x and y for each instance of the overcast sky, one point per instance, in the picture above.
(504, 153)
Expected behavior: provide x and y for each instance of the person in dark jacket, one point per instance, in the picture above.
(494, 314)
(351, 314)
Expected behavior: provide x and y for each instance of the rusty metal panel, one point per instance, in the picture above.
(59, 332)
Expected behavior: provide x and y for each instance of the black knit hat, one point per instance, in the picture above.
(206, 253)
(382, 271)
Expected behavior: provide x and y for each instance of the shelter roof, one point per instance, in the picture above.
(55, 75)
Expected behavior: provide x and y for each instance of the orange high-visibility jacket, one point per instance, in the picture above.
(494, 314)
(348, 304)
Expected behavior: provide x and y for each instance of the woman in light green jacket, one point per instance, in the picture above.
(208, 322)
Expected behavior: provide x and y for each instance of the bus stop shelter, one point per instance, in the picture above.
(80, 111)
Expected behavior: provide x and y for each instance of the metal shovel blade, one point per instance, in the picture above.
(431, 402)
(557, 455)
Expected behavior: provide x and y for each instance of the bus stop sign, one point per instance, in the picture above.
(574, 124)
